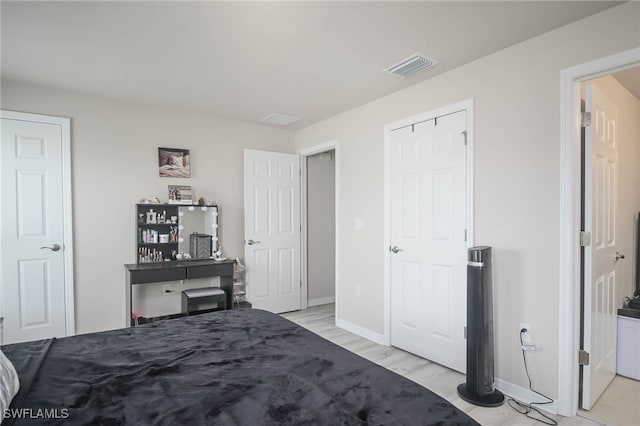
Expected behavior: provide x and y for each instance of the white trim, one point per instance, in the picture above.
(317, 149)
(306, 152)
(304, 273)
(466, 105)
(361, 331)
(525, 395)
(322, 301)
(386, 231)
(67, 239)
(569, 247)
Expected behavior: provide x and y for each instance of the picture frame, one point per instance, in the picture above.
(180, 194)
(174, 162)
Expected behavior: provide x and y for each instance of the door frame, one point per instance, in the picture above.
(304, 153)
(465, 105)
(67, 205)
(570, 206)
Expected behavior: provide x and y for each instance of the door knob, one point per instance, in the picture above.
(618, 256)
(395, 249)
(252, 242)
(54, 247)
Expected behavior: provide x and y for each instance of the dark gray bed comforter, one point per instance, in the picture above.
(238, 367)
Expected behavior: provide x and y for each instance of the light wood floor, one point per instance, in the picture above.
(439, 379)
(619, 405)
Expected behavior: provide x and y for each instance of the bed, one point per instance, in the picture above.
(235, 367)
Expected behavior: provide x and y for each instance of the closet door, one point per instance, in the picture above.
(428, 241)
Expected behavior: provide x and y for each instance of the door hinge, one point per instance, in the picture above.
(465, 331)
(583, 357)
(465, 137)
(300, 283)
(585, 119)
(585, 239)
(465, 235)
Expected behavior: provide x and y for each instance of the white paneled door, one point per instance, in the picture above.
(272, 230)
(428, 243)
(34, 293)
(600, 257)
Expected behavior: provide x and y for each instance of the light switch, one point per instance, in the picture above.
(359, 224)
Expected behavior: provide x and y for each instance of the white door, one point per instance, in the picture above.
(428, 221)
(600, 203)
(272, 230)
(34, 293)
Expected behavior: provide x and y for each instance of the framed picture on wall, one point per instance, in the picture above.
(180, 194)
(174, 162)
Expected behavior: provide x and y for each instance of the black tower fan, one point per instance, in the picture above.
(479, 388)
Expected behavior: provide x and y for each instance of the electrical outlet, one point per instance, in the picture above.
(167, 288)
(527, 337)
(358, 290)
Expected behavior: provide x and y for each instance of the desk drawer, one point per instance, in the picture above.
(206, 271)
(157, 275)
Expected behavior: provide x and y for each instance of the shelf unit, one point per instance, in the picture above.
(157, 232)
(239, 285)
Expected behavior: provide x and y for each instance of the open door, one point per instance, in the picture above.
(272, 230)
(600, 256)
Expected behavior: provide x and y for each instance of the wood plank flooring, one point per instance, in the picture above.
(619, 405)
(439, 379)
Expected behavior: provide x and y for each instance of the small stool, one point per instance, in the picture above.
(193, 298)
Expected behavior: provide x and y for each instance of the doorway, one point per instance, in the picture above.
(570, 221)
(610, 204)
(321, 225)
(276, 223)
(36, 286)
(320, 183)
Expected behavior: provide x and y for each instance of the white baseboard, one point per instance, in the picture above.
(525, 395)
(321, 301)
(361, 331)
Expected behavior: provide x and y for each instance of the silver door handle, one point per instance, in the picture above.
(618, 256)
(54, 247)
(395, 249)
(251, 242)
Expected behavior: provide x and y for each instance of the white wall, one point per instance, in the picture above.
(628, 136)
(516, 96)
(115, 163)
(321, 223)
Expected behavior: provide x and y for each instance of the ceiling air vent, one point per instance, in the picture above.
(279, 119)
(411, 65)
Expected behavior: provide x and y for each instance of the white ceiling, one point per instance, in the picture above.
(245, 60)
(630, 79)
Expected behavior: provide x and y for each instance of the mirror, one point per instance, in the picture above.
(200, 220)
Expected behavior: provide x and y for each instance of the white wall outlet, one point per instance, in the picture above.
(167, 288)
(527, 337)
(358, 224)
(358, 290)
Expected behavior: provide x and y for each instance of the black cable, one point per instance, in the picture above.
(527, 409)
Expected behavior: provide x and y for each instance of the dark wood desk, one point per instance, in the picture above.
(146, 273)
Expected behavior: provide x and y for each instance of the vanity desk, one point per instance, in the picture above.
(175, 243)
(159, 272)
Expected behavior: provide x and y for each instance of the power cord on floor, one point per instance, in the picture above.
(527, 409)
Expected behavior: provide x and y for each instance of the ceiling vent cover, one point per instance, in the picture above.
(411, 65)
(279, 119)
